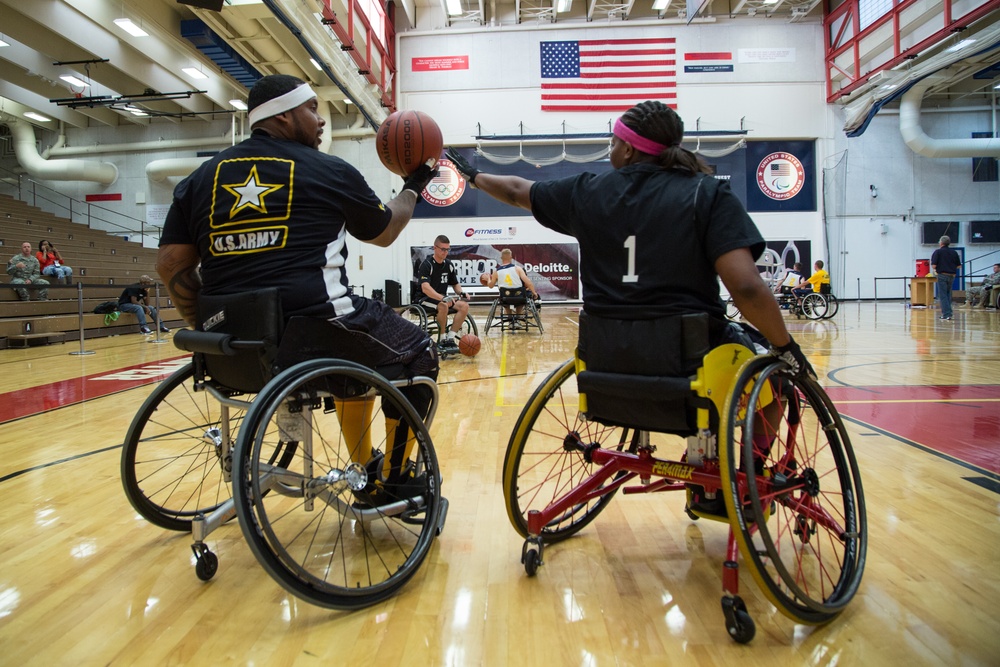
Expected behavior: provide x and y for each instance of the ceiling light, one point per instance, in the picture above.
(131, 28)
(239, 104)
(135, 111)
(563, 5)
(315, 64)
(660, 5)
(3, 43)
(194, 73)
(74, 81)
(36, 116)
(347, 101)
(770, 2)
(454, 7)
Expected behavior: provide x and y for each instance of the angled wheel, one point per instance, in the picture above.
(732, 312)
(532, 312)
(489, 318)
(792, 487)
(312, 520)
(176, 459)
(469, 325)
(416, 314)
(814, 306)
(538, 469)
(832, 306)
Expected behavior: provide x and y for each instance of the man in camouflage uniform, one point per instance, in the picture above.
(982, 294)
(23, 269)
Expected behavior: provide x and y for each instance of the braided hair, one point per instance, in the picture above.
(658, 122)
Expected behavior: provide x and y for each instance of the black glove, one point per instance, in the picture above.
(467, 171)
(419, 179)
(792, 355)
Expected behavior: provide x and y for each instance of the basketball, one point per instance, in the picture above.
(484, 279)
(407, 139)
(469, 345)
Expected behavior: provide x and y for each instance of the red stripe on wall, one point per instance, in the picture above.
(110, 196)
(709, 55)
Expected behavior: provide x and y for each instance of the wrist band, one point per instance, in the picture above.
(625, 133)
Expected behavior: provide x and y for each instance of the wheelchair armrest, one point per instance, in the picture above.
(206, 342)
(620, 385)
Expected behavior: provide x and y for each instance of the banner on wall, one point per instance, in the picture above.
(553, 268)
(781, 176)
(782, 255)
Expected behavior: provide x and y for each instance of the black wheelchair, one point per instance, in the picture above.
(425, 315)
(821, 305)
(266, 424)
(769, 443)
(528, 317)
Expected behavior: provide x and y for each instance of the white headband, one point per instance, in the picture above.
(282, 103)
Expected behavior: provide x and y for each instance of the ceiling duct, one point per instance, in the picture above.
(216, 48)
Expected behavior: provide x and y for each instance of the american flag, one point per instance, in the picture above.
(608, 74)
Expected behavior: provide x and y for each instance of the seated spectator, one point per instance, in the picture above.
(512, 281)
(813, 283)
(24, 269)
(133, 300)
(51, 262)
(985, 295)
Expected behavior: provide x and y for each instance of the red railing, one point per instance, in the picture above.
(383, 45)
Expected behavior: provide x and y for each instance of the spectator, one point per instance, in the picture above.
(983, 294)
(945, 263)
(24, 269)
(133, 300)
(51, 262)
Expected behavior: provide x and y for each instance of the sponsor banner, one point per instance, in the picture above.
(553, 268)
(781, 176)
(708, 61)
(439, 63)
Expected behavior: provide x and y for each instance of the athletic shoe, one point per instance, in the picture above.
(164, 328)
(448, 344)
(944, 318)
(145, 330)
(386, 493)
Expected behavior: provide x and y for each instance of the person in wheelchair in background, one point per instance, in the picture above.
(513, 283)
(275, 212)
(818, 282)
(655, 232)
(434, 275)
(788, 281)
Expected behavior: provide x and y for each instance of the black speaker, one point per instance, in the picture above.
(393, 294)
(214, 5)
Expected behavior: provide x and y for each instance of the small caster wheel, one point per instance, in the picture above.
(738, 622)
(444, 515)
(206, 563)
(691, 515)
(531, 562)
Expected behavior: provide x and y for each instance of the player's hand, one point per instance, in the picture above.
(792, 355)
(464, 296)
(419, 179)
(467, 171)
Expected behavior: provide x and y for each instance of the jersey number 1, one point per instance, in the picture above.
(631, 276)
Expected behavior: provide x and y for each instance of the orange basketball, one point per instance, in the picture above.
(484, 279)
(407, 139)
(469, 345)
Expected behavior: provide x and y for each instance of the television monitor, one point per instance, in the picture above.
(984, 231)
(934, 230)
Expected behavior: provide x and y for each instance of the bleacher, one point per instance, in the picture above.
(104, 264)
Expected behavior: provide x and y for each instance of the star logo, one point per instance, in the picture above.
(250, 193)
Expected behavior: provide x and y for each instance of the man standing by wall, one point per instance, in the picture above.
(945, 263)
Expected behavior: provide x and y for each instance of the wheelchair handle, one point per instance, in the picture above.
(206, 342)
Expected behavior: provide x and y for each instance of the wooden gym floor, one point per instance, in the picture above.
(85, 581)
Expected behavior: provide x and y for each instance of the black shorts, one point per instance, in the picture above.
(387, 338)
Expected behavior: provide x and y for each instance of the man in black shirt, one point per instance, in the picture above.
(435, 274)
(945, 263)
(133, 300)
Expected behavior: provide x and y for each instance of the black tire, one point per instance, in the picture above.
(172, 464)
(814, 306)
(324, 546)
(537, 468)
(832, 306)
(415, 314)
(807, 478)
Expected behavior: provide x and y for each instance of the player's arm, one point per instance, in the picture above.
(512, 190)
(494, 277)
(739, 274)
(177, 265)
(526, 281)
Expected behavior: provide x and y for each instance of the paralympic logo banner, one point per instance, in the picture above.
(781, 176)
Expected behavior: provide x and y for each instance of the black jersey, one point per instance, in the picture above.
(438, 275)
(274, 213)
(657, 256)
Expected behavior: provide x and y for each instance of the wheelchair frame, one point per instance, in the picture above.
(285, 474)
(425, 317)
(529, 318)
(814, 306)
(807, 554)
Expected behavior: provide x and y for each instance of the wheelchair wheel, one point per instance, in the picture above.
(537, 469)
(302, 518)
(797, 507)
(415, 314)
(174, 464)
(832, 306)
(814, 306)
(732, 312)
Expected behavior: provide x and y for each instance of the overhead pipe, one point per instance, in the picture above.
(26, 152)
(918, 141)
(159, 170)
(160, 145)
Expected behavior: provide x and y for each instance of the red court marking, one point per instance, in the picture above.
(35, 400)
(962, 421)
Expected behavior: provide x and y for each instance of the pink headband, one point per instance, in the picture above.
(625, 133)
